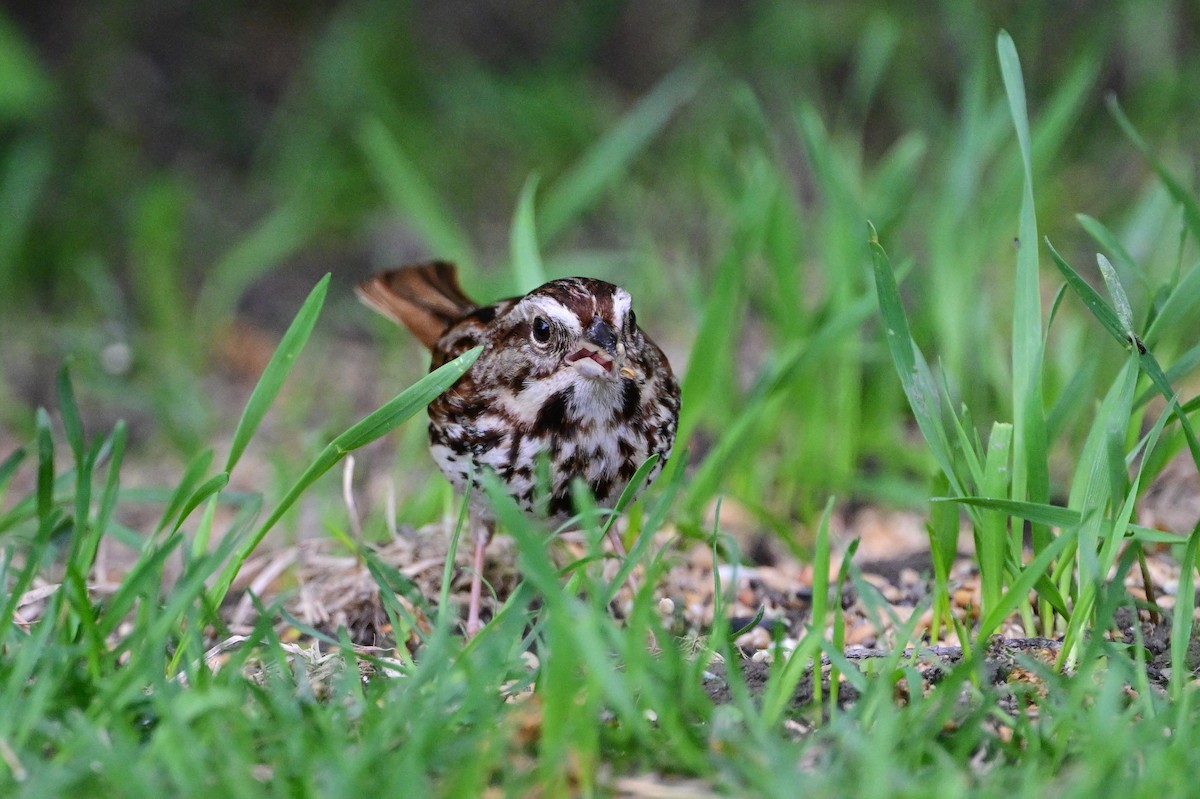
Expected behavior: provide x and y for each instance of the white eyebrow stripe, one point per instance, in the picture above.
(556, 311)
(622, 302)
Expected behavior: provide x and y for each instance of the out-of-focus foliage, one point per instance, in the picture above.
(167, 169)
(250, 117)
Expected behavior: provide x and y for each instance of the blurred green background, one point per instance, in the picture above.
(175, 176)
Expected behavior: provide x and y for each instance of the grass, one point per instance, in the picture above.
(1042, 402)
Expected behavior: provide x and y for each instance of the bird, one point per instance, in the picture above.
(565, 374)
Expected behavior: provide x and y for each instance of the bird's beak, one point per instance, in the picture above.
(602, 335)
(599, 353)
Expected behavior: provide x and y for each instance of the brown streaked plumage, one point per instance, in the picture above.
(565, 371)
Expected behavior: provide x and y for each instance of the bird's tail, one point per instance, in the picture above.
(425, 298)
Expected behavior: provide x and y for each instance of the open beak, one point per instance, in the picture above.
(597, 354)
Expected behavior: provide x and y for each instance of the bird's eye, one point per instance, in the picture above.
(541, 330)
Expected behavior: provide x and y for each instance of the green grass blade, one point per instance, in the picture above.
(283, 232)
(633, 556)
(837, 643)
(915, 377)
(28, 165)
(9, 466)
(719, 320)
(45, 475)
(1018, 590)
(1111, 322)
(943, 528)
(1031, 476)
(1100, 309)
(526, 256)
(1178, 192)
(610, 157)
(777, 375)
(1049, 515)
(1150, 367)
(784, 680)
(210, 487)
(1119, 298)
(1072, 399)
(140, 580)
(991, 540)
(1181, 623)
(187, 484)
(277, 371)
(1181, 368)
(630, 492)
(373, 426)
(460, 524)
(1120, 527)
(155, 254)
(1109, 241)
(410, 193)
(1179, 310)
(1151, 535)
(72, 423)
(204, 526)
(820, 587)
(108, 499)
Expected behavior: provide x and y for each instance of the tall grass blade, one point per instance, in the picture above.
(820, 588)
(526, 256)
(777, 376)
(410, 193)
(69, 409)
(282, 233)
(992, 543)
(1181, 368)
(277, 371)
(913, 370)
(26, 171)
(110, 495)
(1179, 309)
(1100, 309)
(1111, 322)
(609, 158)
(1117, 292)
(373, 426)
(1031, 473)
(633, 556)
(1109, 241)
(1018, 589)
(943, 528)
(45, 475)
(1181, 623)
(209, 488)
(783, 682)
(156, 257)
(187, 485)
(718, 321)
(9, 466)
(1178, 192)
(1049, 515)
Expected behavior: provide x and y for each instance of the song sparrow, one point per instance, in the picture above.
(565, 371)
